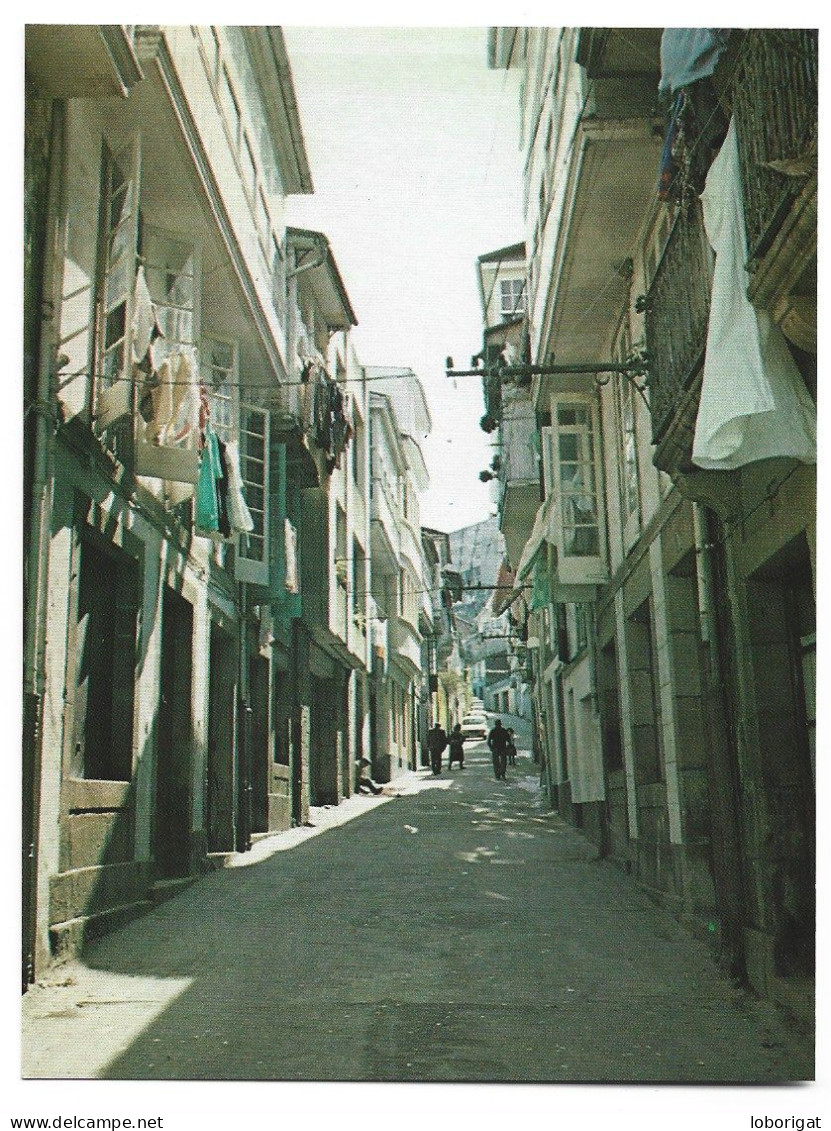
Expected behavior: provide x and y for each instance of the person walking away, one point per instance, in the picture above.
(457, 748)
(498, 743)
(511, 747)
(436, 742)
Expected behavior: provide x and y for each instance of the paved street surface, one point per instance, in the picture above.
(456, 931)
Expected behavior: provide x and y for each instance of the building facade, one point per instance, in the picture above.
(402, 611)
(670, 564)
(195, 474)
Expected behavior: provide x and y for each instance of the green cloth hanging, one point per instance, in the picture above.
(210, 469)
(541, 591)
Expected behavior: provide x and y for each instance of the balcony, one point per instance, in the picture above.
(405, 646)
(677, 311)
(411, 546)
(518, 470)
(775, 104)
(84, 60)
(292, 421)
(598, 199)
(384, 530)
(773, 92)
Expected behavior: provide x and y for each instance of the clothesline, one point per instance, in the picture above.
(274, 385)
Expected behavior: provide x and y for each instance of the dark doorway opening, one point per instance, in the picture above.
(174, 745)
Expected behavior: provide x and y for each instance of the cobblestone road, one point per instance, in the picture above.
(458, 931)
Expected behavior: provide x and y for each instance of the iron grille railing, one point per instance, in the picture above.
(775, 100)
(677, 310)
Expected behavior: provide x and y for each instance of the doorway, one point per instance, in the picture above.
(220, 799)
(174, 745)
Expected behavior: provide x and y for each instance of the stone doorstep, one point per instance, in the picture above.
(68, 938)
(216, 861)
(163, 890)
(257, 837)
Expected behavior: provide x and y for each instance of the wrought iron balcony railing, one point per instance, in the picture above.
(774, 95)
(677, 310)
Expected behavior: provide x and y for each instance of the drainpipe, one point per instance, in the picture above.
(727, 835)
(704, 573)
(37, 551)
(244, 737)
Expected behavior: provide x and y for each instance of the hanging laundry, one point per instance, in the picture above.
(207, 502)
(695, 132)
(204, 407)
(170, 402)
(222, 492)
(689, 54)
(290, 539)
(185, 406)
(156, 404)
(307, 409)
(754, 404)
(541, 585)
(238, 512)
(348, 416)
(145, 327)
(113, 403)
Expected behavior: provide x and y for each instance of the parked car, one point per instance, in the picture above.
(475, 725)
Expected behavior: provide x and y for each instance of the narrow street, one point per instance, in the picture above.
(457, 931)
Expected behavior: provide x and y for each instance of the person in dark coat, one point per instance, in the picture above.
(457, 748)
(511, 747)
(436, 742)
(498, 743)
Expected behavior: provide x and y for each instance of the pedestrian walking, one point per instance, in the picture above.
(436, 742)
(511, 747)
(498, 743)
(456, 753)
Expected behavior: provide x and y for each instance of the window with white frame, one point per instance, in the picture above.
(219, 377)
(170, 270)
(253, 549)
(512, 297)
(577, 480)
(117, 269)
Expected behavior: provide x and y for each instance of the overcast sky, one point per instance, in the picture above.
(413, 146)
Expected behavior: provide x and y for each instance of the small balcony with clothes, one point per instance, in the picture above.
(724, 388)
(518, 469)
(294, 407)
(774, 97)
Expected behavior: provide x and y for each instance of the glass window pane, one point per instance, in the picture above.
(569, 448)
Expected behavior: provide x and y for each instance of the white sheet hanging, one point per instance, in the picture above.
(754, 404)
(238, 513)
(292, 580)
(144, 317)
